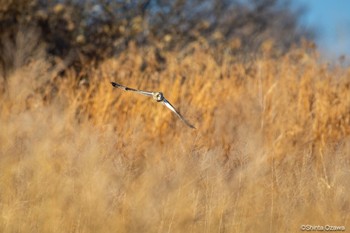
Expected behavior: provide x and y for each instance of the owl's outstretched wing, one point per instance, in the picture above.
(117, 85)
(171, 107)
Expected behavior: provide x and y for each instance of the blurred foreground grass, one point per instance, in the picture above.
(270, 153)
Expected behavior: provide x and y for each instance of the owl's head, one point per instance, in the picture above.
(158, 96)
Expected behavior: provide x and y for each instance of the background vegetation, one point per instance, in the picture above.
(270, 153)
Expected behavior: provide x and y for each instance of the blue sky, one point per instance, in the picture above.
(331, 18)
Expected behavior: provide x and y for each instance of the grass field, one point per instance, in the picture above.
(271, 151)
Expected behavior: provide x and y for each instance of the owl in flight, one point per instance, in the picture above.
(159, 97)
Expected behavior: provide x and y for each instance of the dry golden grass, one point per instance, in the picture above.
(270, 153)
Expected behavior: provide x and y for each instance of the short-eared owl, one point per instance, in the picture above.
(159, 97)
